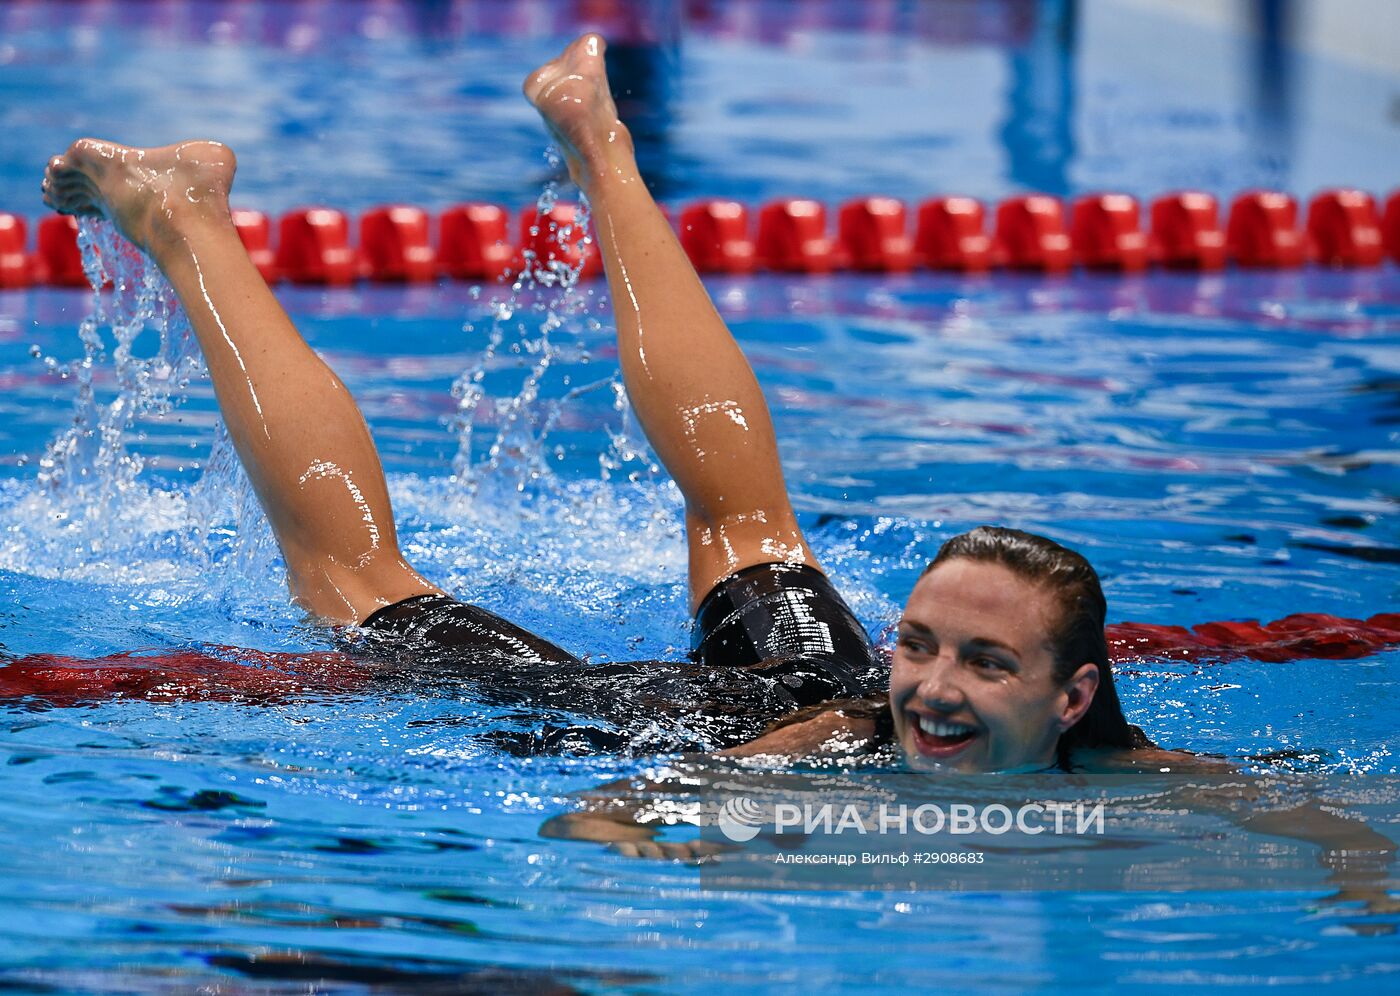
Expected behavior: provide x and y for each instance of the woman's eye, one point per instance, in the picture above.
(989, 664)
(913, 645)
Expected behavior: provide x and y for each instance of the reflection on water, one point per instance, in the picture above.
(1039, 129)
(361, 102)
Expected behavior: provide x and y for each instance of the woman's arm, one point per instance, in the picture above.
(624, 815)
(831, 732)
(628, 818)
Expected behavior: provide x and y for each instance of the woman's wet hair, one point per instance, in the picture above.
(1077, 636)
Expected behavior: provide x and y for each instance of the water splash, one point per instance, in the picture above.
(525, 535)
(229, 529)
(99, 514)
(544, 314)
(90, 466)
(94, 514)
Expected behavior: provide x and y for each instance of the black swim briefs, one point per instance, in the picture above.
(789, 622)
(767, 640)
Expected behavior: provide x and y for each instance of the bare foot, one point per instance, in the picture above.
(146, 193)
(571, 93)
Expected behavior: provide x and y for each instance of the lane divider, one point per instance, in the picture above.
(1302, 636)
(232, 674)
(1030, 232)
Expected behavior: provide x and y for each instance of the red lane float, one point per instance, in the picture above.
(394, 244)
(255, 231)
(557, 237)
(15, 270)
(1390, 226)
(792, 237)
(1263, 231)
(1345, 228)
(59, 259)
(1186, 232)
(313, 247)
(872, 232)
(246, 676)
(1031, 232)
(950, 235)
(715, 235)
(1105, 233)
(472, 242)
(255, 677)
(1303, 636)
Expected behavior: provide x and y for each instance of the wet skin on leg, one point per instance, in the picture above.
(296, 428)
(694, 393)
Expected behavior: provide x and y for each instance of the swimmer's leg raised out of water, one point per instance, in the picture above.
(693, 391)
(296, 428)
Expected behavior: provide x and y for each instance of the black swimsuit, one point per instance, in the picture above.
(767, 641)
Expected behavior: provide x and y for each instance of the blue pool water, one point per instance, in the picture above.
(1221, 447)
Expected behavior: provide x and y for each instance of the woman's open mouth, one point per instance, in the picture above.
(940, 739)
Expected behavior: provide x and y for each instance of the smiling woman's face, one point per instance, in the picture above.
(973, 685)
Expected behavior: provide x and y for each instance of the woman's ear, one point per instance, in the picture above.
(1079, 695)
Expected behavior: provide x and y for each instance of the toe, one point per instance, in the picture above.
(592, 44)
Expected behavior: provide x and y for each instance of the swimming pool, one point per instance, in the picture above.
(1220, 446)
